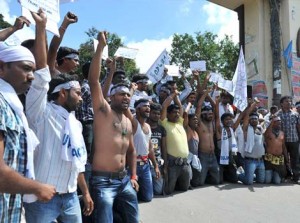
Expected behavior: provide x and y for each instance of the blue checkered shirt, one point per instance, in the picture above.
(15, 157)
(289, 122)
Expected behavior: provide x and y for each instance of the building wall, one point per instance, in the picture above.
(257, 32)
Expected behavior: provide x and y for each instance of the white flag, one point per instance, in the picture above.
(155, 72)
(239, 81)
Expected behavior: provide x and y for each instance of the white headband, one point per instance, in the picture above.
(67, 86)
(119, 89)
(142, 104)
(73, 56)
(15, 53)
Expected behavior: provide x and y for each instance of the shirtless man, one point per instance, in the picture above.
(276, 153)
(206, 145)
(111, 187)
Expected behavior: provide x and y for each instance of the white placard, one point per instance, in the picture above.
(198, 65)
(50, 7)
(173, 70)
(105, 49)
(51, 25)
(155, 72)
(126, 52)
(214, 77)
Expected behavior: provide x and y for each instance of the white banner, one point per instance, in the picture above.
(50, 7)
(155, 72)
(126, 52)
(198, 65)
(239, 82)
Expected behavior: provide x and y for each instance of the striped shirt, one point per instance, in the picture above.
(48, 125)
(14, 156)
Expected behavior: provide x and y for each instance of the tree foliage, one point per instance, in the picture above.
(3, 23)
(220, 55)
(86, 50)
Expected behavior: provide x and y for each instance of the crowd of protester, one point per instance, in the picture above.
(123, 141)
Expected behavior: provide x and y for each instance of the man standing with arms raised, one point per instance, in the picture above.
(111, 186)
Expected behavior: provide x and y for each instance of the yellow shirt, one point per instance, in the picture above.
(177, 144)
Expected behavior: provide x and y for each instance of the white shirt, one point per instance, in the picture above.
(49, 128)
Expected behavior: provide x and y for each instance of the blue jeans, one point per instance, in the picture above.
(158, 184)
(145, 192)
(64, 207)
(113, 196)
(209, 165)
(272, 177)
(252, 166)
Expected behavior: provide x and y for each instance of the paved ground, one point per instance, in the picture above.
(226, 203)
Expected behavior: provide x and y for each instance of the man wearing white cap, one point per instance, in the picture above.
(17, 141)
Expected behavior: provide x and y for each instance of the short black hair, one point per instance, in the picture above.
(29, 43)
(172, 107)
(206, 108)
(155, 107)
(64, 51)
(284, 98)
(171, 82)
(139, 77)
(225, 115)
(142, 100)
(85, 69)
(57, 80)
(118, 72)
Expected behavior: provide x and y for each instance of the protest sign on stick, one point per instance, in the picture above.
(155, 72)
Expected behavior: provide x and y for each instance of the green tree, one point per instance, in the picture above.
(3, 23)
(86, 51)
(220, 55)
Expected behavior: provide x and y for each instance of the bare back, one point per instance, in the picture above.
(112, 138)
(274, 144)
(206, 137)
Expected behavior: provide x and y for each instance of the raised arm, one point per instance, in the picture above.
(177, 101)
(112, 68)
(246, 117)
(98, 99)
(204, 85)
(218, 120)
(56, 41)
(200, 102)
(40, 46)
(187, 88)
(185, 116)
(166, 103)
(19, 24)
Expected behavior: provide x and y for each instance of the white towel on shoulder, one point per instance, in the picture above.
(224, 157)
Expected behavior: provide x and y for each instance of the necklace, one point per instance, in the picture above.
(123, 130)
(276, 132)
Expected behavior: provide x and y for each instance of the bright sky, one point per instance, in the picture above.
(147, 25)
